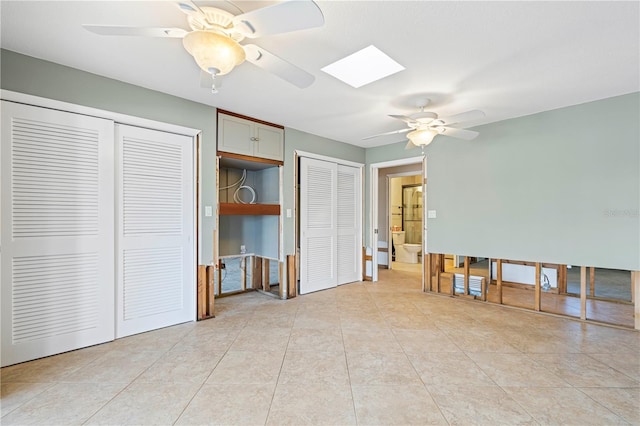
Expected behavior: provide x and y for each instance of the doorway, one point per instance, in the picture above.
(380, 228)
(404, 221)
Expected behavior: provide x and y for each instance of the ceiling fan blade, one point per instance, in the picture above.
(189, 8)
(278, 66)
(463, 116)
(404, 118)
(394, 132)
(116, 30)
(279, 18)
(459, 133)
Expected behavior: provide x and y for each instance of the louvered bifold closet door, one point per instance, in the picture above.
(57, 261)
(155, 246)
(348, 220)
(318, 231)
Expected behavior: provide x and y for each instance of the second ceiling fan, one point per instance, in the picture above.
(423, 126)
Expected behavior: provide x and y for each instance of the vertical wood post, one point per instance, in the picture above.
(635, 285)
(281, 282)
(219, 277)
(439, 266)
(562, 279)
(202, 273)
(266, 285)
(537, 301)
(243, 273)
(257, 272)
(292, 280)
(426, 259)
(592, 281)
(583, 292)
(211, 272)
(499, 279)
(364, 263)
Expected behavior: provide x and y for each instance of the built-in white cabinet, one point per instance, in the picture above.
(238, 135)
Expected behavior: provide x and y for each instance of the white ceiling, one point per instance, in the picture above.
(507, 59)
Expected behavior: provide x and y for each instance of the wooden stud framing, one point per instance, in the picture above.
(257, 272)
(583, 292)
(243, 273)
(439, 269)
(266, 284)
(211, 271)
(635, 286)
(592, 281)
(202, 307)
(366, 257)
(426, 260)
(292, 287)
(537, 301)
(219, 276)
(466, 275)
(281, 284)
(499, 279)
(562, 279)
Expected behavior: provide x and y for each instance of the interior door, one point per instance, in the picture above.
(57, 230)
(318, 228)
(348, 224)
(155, 248)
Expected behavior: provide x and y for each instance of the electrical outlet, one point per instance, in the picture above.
(243, 249)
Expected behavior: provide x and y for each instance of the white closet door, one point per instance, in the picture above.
(57, 232)
(155, 249)
(348, 220)
(318, 229)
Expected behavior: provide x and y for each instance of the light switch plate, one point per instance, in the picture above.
(208, 211)
(431, 214)
(288, 212)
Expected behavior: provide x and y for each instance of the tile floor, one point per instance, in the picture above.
(364, 353)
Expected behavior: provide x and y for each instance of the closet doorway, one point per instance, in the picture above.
(330, 236)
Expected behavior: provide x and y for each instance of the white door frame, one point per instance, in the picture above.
(373, 206)
(296, 155)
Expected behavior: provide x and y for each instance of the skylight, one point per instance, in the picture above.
(363, 67)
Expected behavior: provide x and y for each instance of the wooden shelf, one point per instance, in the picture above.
(238, 161)
(249, 209)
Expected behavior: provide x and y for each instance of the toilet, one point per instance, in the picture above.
(405, 253)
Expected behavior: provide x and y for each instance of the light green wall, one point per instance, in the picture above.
(559, 186)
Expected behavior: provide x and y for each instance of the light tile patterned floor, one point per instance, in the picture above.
(367, 354)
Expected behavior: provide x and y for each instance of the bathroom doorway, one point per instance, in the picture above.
(379, 235)
(405, 219)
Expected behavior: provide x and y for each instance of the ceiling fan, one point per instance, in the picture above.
(423, 126)
(214, 41)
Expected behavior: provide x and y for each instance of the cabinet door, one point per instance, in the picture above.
(235, 135)
(270, 142)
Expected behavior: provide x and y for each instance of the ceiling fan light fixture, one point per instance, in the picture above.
(422, 137)
(212, 50)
